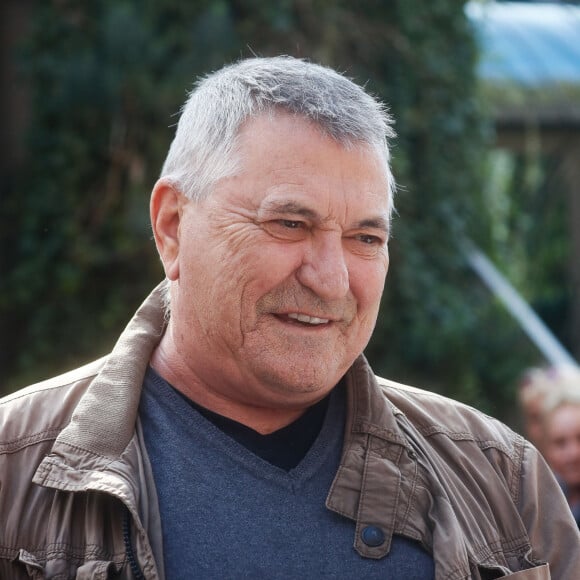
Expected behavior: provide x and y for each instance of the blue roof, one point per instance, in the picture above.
(531, 44)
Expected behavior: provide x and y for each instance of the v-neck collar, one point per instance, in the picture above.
(201, 431)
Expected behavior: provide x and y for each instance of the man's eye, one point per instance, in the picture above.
(369, 240)
(283, 229)
(291, 224)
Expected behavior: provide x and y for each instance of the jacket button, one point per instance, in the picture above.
(372, 536)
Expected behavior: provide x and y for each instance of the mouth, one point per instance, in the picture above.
(303, 319)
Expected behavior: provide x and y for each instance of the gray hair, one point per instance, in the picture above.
(204, 148)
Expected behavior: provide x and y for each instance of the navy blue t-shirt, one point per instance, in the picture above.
(228, 513)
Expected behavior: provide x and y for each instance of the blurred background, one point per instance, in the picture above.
(486, 97)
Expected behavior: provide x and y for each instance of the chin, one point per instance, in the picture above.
(312, 385)
(306, 387)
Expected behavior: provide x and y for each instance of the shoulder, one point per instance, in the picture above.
(434, 415)
(464, 445)
(41, 411)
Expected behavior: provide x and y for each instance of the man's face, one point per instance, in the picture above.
(562, 446)
(281, 269)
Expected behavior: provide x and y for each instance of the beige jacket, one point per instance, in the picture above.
(76, 487)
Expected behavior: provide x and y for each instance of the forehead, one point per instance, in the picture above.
(287, 157)
(564, 418)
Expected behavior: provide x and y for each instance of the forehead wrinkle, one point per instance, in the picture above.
(290, 207)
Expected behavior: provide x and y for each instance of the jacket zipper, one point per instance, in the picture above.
(134, 565)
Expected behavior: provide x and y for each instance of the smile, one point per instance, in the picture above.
(307, 319)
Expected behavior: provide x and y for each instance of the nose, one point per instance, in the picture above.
(324, 269)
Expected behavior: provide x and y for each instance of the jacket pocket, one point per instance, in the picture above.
(33, 567)
(91, 570)
(97, 570)
(537, 573)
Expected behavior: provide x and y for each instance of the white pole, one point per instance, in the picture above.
(534, 327)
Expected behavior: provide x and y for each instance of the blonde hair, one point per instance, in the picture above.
(547, 382)
(567, 391)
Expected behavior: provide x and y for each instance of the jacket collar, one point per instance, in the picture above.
(120, 380)
(377, 467)
(370, 412)
(102, 426)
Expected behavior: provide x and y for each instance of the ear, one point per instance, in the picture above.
(165, 209)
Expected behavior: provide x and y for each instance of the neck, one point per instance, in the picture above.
(262, 419)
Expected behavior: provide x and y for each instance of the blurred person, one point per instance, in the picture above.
(561, 424)
(236, 429)
(533, 388)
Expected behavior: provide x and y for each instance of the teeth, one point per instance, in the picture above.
(308, 319)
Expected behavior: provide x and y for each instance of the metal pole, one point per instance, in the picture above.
(530, 322)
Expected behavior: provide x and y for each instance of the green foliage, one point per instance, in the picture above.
(105, 75)
(105, 79)
(529, 239)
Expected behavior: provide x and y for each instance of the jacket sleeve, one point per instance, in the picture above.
(553, 533)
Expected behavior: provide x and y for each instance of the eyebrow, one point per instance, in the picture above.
(378, 223)
(292, 207)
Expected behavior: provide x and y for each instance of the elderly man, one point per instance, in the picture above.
(236, 429)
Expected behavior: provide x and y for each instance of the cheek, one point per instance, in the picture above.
(269, 264)
(367, 282)
(561, 455)
(555, 460)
